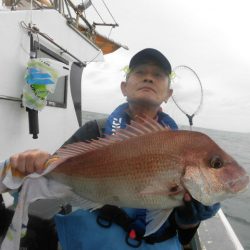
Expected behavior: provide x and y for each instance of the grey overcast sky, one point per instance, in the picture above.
(210, 36)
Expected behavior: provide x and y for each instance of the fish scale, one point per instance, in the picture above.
(126, 167)
(149, 166)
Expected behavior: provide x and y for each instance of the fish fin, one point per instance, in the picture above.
(155, 219)
(78, 201)
(149, 123)
(142, 126)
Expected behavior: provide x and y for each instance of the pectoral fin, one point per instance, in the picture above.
(78, 201)
(155, 219)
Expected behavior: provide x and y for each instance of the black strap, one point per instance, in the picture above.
(2, 205)
(101, 125)
(184, 235)
(166, 234)
(111, 214)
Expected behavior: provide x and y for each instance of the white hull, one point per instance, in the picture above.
(55, 124)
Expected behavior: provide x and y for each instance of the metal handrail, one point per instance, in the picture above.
(10, 98)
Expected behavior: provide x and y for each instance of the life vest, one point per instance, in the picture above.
(79, 230)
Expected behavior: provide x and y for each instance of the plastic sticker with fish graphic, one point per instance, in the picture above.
(137, 167)
(41, 78)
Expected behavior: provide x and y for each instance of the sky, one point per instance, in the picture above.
(211, 37)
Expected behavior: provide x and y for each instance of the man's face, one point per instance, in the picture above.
(147, 83)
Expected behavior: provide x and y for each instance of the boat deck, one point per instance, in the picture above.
(216, 233)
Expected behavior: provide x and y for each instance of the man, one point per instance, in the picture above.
(146, 87)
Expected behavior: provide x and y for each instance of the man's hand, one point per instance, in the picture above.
(193, 212)
(29, 161)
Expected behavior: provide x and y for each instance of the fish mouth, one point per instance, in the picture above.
(239, 185)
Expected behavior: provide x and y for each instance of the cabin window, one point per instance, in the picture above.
(59, 97)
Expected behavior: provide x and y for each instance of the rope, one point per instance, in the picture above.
(110, 31)
(97, 12)
(98, 53)
(109, 11)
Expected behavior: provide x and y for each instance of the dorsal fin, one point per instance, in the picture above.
(142, 126)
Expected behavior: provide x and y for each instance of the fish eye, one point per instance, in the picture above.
(216, 162)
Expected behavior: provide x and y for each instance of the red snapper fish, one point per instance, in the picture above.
(147, 166)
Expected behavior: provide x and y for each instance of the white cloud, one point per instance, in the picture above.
(209, 36)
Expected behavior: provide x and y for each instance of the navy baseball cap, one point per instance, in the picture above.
(151, 55)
